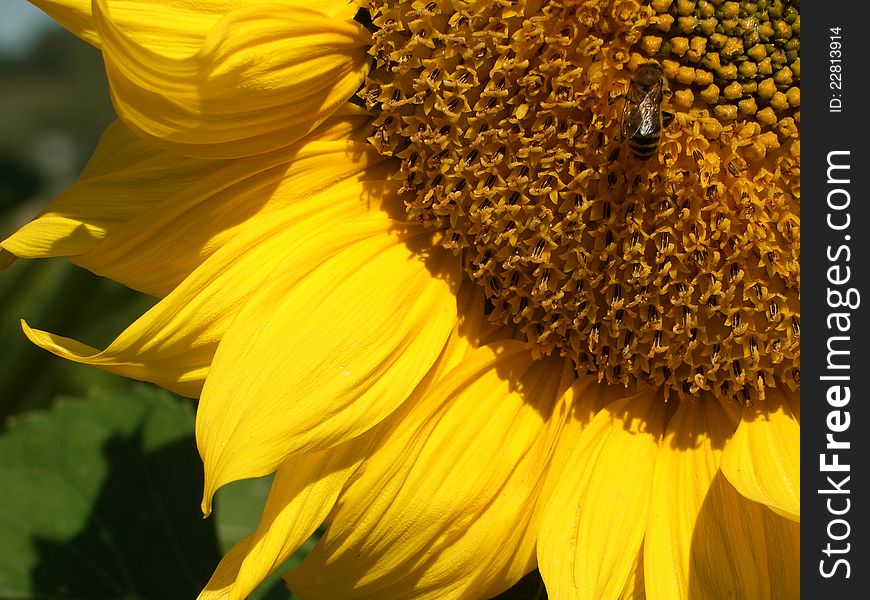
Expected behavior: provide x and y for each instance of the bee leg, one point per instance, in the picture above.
(667, 119)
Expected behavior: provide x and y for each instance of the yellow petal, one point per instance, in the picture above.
(684, 549)
(586, 401)
(464, 339)
(307, 485)
(177, 27)
(303, 492)
(635, 584)
(348, 122)
(262, 79)
(762, 459)
(783, 537)
(155, 251)
(723, 553)
(221, 583)
(124, 178)
(444, 507)
(147, 217)
(594, 521)
(304, 368)
(705, 540)
(738, 549)
(173, 343)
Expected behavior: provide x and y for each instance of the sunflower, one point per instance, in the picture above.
(407, 261)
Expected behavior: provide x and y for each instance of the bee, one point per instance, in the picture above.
(642, 115)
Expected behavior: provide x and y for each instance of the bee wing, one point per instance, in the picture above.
(632, 119)
(648, 116)
(630, 122)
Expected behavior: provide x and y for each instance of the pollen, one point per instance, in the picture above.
(680, 271)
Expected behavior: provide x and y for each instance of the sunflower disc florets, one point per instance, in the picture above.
(680, 271)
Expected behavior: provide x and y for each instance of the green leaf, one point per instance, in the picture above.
(233, 515)
(101, 500)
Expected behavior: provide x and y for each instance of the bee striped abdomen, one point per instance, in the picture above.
(643, 146)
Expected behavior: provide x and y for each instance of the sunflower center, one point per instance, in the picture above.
(509, 118)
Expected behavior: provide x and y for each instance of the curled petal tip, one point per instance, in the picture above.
(205, 506)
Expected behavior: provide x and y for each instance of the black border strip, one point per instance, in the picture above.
(835, 258)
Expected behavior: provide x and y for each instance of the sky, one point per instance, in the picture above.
(20, 24)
